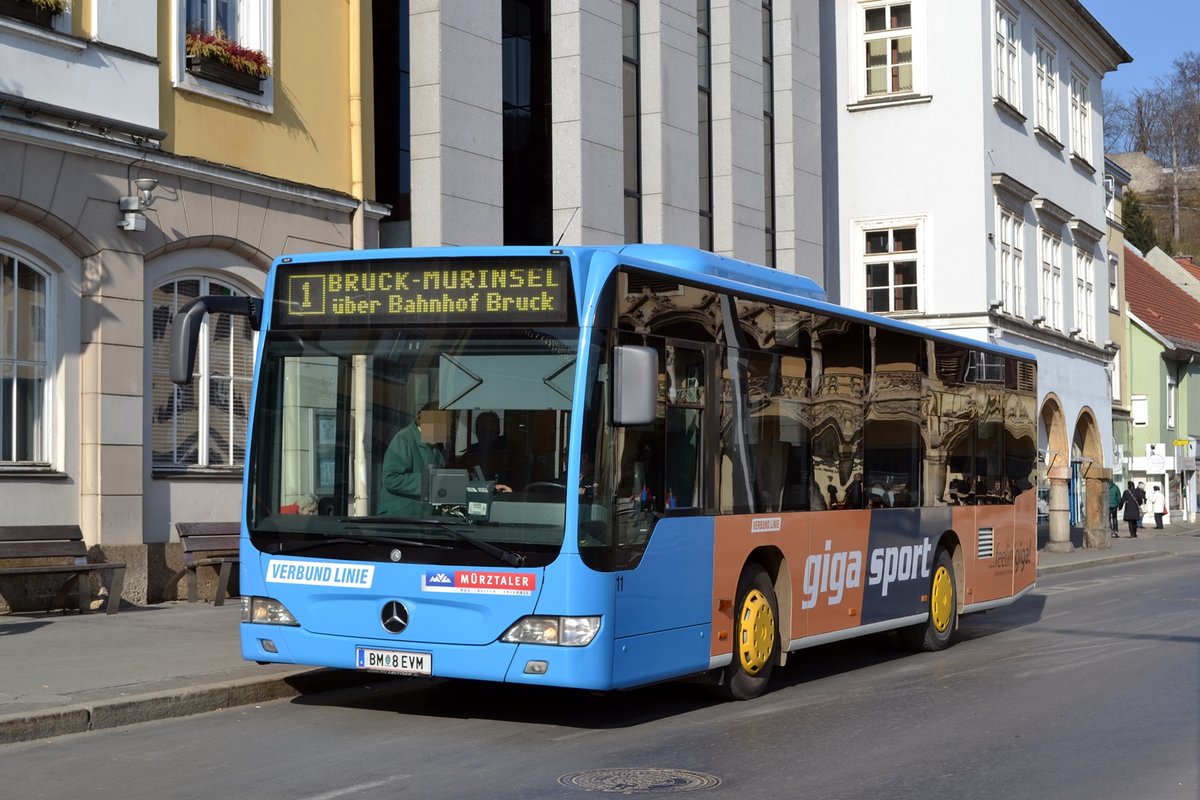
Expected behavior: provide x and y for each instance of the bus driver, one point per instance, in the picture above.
(414, 447)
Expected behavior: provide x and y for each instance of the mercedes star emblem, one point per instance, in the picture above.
(394, 616)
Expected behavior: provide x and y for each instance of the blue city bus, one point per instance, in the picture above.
(605, 467)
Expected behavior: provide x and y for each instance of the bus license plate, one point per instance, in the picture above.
(394, 661)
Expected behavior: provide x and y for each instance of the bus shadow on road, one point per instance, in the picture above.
(572, 708)
(1024, 612)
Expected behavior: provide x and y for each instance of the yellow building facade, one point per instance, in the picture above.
(134, 174)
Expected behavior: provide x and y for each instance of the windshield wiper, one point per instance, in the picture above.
(499, 553)
(354, 538)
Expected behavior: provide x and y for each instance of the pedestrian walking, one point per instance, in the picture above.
(1114, 501)
(1140, 494)
(1158, 505)
(1131, 509)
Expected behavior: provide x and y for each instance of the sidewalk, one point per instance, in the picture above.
(1174, 539)
(63, 674)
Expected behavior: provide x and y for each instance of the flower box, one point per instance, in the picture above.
(27, 11)
(212, 56)
(212, 70)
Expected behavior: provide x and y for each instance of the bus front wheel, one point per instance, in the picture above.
(937, 632)
(755, 636)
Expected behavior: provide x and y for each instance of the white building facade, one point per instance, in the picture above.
(971, 199)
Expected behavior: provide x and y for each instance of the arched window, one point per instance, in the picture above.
(24, 362)
(203, 424)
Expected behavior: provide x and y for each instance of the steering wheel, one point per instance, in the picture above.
(545, 485)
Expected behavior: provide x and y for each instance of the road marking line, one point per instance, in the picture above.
(353, 790)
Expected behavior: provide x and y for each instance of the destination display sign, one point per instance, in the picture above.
(423, 291)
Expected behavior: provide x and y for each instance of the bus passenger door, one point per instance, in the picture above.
(663, 602)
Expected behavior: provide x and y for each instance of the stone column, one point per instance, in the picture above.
(588, 160)
(111, 407)
(737, 116)
(457, 124)
(670, 190)
(1097, 534)
(1060, 511)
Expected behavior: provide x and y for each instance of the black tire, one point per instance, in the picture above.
(755, 637)
(937, 632)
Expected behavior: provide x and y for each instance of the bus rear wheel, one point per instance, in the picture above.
(755, 636)
(937, 632)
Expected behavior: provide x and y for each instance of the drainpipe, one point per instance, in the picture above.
(356, 122)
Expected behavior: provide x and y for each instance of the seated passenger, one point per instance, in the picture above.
(489, 451)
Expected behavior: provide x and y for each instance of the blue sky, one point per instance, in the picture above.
(1154, 32)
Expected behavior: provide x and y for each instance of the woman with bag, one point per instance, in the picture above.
(1131, 510)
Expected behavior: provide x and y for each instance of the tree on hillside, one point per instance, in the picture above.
(1139, 228)
(1126, 122)
(1163, 122)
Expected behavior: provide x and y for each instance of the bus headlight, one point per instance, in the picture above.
(562, 631)
(265, 611)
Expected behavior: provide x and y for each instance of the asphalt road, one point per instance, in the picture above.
(1089, 688)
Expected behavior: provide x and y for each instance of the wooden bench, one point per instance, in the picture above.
(45, 542)
(206, 544)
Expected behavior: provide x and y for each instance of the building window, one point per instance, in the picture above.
(1046, 91)
(1050, 300)
(1081, 125)
(24, 362)
(1139, 409)
(704, 117)
(1008, 52)
(631, 98)
(1114, 297)
(1115, 376)
(202, 424)
(891, 258)
(888, 45)
(1085, 294)
(768, 135)
(984, 368)
(1171, 403)
(1012, 262)
(246, 22)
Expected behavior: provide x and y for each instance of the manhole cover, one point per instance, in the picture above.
(639, 780)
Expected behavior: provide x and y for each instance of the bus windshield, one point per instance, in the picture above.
(449, 442)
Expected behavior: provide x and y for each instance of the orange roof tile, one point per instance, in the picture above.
(1159, 303)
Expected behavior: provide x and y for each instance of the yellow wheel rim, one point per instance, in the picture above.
(941, 604)
(756, 632)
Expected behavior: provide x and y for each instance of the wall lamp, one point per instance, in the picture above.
(131, 206)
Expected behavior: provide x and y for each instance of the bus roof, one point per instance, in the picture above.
(687, 264)
(786, 287)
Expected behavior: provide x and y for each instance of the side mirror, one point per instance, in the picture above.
(185, 328)
(635, 385)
